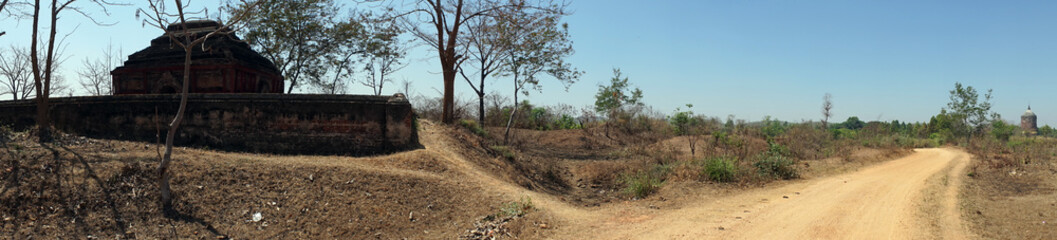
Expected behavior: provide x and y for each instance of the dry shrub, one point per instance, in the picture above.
(686, 171)
(806, 142)
(603, 173)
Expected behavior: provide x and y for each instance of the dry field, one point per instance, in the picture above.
(457, 183)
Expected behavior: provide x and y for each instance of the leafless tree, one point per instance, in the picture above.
(383, 53)
(827, 105)
(3, 4)
(15, 69)
(95, 74)
(43, 75)
(158, 15)
(486, 51)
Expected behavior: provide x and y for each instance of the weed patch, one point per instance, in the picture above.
(641, 183)
(776, 166)
(720, 169)
(474, 127)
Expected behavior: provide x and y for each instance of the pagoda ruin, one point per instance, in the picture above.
(222, 64)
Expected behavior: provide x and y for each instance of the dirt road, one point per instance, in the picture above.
(914, 197)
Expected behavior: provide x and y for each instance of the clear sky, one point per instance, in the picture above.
(881, 60)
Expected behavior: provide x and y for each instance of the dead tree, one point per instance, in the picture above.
(14, 69)
(42, 77)
(827, 105)
(158, 16)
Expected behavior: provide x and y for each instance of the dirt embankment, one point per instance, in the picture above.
(81, 188)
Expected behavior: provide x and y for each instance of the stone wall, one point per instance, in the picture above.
(271, 123)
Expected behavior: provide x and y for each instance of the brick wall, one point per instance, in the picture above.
(271, 123)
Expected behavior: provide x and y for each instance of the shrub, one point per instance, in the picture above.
(473, 127)
(566, 122)
(641, 183)
(776, 166)
(505, 151)
(720, 169)
(516, 208)
(1002, 131)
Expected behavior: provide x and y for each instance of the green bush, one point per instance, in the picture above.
(473, 127)
(516, 208)
(505, 151)
(720, 169)
(566, 122)
(1003, 131)
(843, 133)
(641, 183)
(776, 166)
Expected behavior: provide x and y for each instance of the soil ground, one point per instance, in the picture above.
(80, 187)
(1013, 202)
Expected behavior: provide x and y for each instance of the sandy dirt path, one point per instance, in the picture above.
(914, 197)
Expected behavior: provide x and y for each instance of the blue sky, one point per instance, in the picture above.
(881, 60)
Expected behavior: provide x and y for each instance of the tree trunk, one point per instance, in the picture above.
(163, 167)
(510, 121)
(449, 96)
(480, 107)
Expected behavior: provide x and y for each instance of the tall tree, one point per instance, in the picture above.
(43, 75)
(159, 15)
(299, 36)
(95, 74)
(968, 109)
(613, 98)
(486, 50)
(827, 105)
(444, 21)
(15, 69)
(536, 42)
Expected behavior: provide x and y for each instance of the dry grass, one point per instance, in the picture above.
(81, 187)
(1010, 193)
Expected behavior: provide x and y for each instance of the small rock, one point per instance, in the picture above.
(797, 193)
(257, 217)
(721, 228)
(543, 225)
(785, 196)
(737, 217)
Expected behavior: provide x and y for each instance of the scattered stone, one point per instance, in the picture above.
(721, 228)
(797, 193)
(654, 207)
(785, 196)
(544, 225)
(257, 217)
(490, 227)
(737, 217)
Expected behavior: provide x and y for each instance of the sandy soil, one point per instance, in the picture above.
(886, 201)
